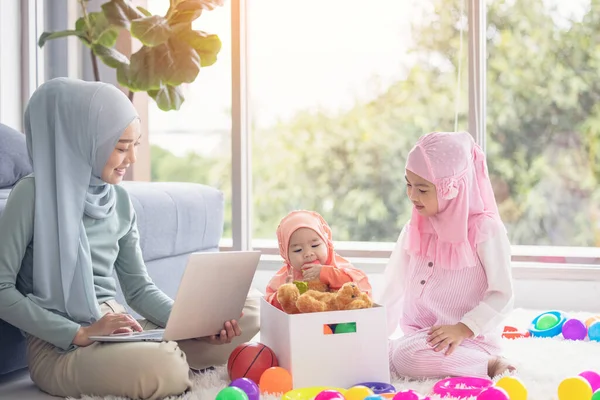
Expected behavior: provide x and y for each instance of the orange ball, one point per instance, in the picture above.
(275, 380)
(327, 330)
(591, 320)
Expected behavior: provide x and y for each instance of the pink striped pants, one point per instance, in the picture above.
(412, 357)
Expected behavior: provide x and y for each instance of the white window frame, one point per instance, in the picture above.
(477, 70)
(22, 69)
(11, 110)
(241, 160)
(32, 26)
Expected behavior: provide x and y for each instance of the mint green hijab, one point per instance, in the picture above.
(71, 127)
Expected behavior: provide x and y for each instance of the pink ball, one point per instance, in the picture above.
(593, 378)
(574, 329)
(406, 395)
(493, 393)
(330, 395)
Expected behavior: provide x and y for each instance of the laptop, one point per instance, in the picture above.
(213, 290)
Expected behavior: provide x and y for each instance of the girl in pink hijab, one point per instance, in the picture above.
(306, 246)
(448, 282)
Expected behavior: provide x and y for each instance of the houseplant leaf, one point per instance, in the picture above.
(144, 11)
(102, 32)
(109, 56)
(172, 63)
(204, 4)
(181, 65)
(151, 31)
(185, 12)
(44, 37)
(142, 74)
(206, 45)
(172, 53)
(108, 38)
(121, 12)
(167, 97)
(123, 77)
(80, 24)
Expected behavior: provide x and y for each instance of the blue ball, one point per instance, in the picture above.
(374, 397)
(594, 331)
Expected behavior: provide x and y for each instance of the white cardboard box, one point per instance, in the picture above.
(316, 359)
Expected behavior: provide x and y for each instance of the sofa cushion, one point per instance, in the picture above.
(3, 197)
(12, 348)
(14, 161)
(176, 218)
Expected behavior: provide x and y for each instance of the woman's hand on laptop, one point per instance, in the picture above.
(108, 324)
(230, 331)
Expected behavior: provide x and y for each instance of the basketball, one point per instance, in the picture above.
(250, 360)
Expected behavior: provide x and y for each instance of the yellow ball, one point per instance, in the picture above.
(513, 387)
(358, 393)
(575, 388)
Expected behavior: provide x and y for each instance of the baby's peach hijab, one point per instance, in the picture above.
(290, 224)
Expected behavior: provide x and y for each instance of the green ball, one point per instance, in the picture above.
(349, 327)
(302, 286)
(596, 395)
(232, 393)
(546, 321)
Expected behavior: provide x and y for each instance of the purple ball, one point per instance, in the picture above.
(248, 386)
(574, 329)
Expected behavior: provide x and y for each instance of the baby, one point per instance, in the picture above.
(306, 246)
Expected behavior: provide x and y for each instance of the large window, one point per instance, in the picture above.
(339, 91)
(543, 119)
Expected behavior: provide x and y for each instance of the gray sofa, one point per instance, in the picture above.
(174, 220)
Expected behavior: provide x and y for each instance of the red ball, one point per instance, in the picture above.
(250, 360)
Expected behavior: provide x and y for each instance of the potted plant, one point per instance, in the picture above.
(172, 53)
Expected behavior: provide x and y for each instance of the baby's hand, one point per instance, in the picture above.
(311, 272)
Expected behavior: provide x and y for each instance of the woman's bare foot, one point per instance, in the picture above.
(499, 365)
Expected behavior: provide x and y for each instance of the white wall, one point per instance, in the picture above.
(10, 65)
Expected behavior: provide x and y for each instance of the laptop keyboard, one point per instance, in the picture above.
(150, 334)
(153, 334)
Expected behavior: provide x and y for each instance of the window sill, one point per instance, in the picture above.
(520, 270)
(565, 256)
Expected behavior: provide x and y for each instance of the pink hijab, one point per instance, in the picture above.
(468, 213)
(312, 220)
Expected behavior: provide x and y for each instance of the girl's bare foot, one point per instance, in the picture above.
(499, 365)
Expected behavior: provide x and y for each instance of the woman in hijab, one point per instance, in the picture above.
(65, 229)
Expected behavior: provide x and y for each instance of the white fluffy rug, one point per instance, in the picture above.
(542, 364)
